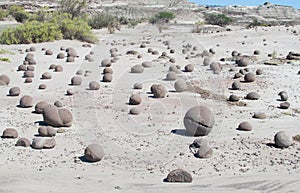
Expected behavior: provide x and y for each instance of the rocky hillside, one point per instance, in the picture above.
(185, 10)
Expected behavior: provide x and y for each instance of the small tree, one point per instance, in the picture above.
(161, 19)
(218, 19)
(18, 13)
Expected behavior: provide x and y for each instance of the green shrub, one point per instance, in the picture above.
(18, 13)
(133, 22)
(100, 20)
(3, 14)
(31, 32)
(218, 19)
(162, 17)
(73, 7)
(256, 23)
(5, 59)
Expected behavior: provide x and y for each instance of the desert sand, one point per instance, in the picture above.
(140, 150)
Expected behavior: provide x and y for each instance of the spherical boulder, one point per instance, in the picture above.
(43, 143)
(236, 85)
(179, 176)
(94, 85)
(237, 75)
(58, 104)
(147, 64)
(23, 142)
(60, 55)
(57, 117)
(245, 126)
(94, 152)
(46, 131)
(215, 67)
(159, 91)
(249, 77)
(10, 133)
(26, 101)
(22, 67)
(49, 52)
(58, 68)
(70, 59)
(283, 96)
(180, 85)
(137, 69)
(206, 61)
(42, 86)
(204, 152)
(284, 105)
(46, 76)
(134, 111)
(171, 76)
(107, 70)
(135, 99)
(282, 139)
(76, 81)
(14, 91)
(189, 68)
(4, 80)
(106, 63)
(107, 77)
(259, 72)
(259, 115)
(39, 107)
(252, 96)
(233, 98)
(199, 121)
(243, 62)
(70, 92)
(28, 80)
(138, 85)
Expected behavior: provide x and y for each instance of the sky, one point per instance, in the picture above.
(294, 3)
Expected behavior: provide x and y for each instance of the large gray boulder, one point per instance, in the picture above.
(282, 139)
(179, 176)
(57, 117)
(94, 152)
(199, 121)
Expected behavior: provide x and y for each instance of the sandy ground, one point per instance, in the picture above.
(141, 150)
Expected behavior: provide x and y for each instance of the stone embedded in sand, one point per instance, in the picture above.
(4, 80)
(215, 67)
(26, 101)
(135, 99)
(39, 107)
(52, 67)
(242, 71)
(204, 152)
(282, 139)
(243, 62)
(46, 76)
(49, 143)
(256, 52)
(199, 121)
(46, 131)
(14, 91)
(70, 92)
(89, 58)
(57, 117)
(60, 55)
(189, 68)
(172, 51)
(22, 67)
(58, 104)
(180, 85)
(49, 52)
(236, 85)
(23, 142)
(43, 143)
(233, 98)
(283, 96)
(206, 61)
(171, 76)
(71, 52)
(70, 59)
(138, 85)
(259, 72)
(94, 85)
(259, 115)
(10, 133)
(42, 86)
(179, 176)
(284, 105)
(155, 52)
(237, 75)
(58, 68)
(28, 80)
(79, 72)
(137, 69)
(159, 91)
(32, 49)
(172, 60)
(252, 96)
(245, 126)
(94, 152)
(28, 74)
(107, 77)
(249, 77)
(147, 64)
(106, 63)
(76, 81)
(29, 56)
(108, 70)
(30, 68)
(234, 53)
(134, 111)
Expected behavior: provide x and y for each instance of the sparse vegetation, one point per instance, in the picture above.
(162, 17)
(5, 59)
(18, 13)
(3, 14)
(218, 19)
(73, 7)
(255, 23)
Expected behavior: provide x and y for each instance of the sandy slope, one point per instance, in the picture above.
(141, 150)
